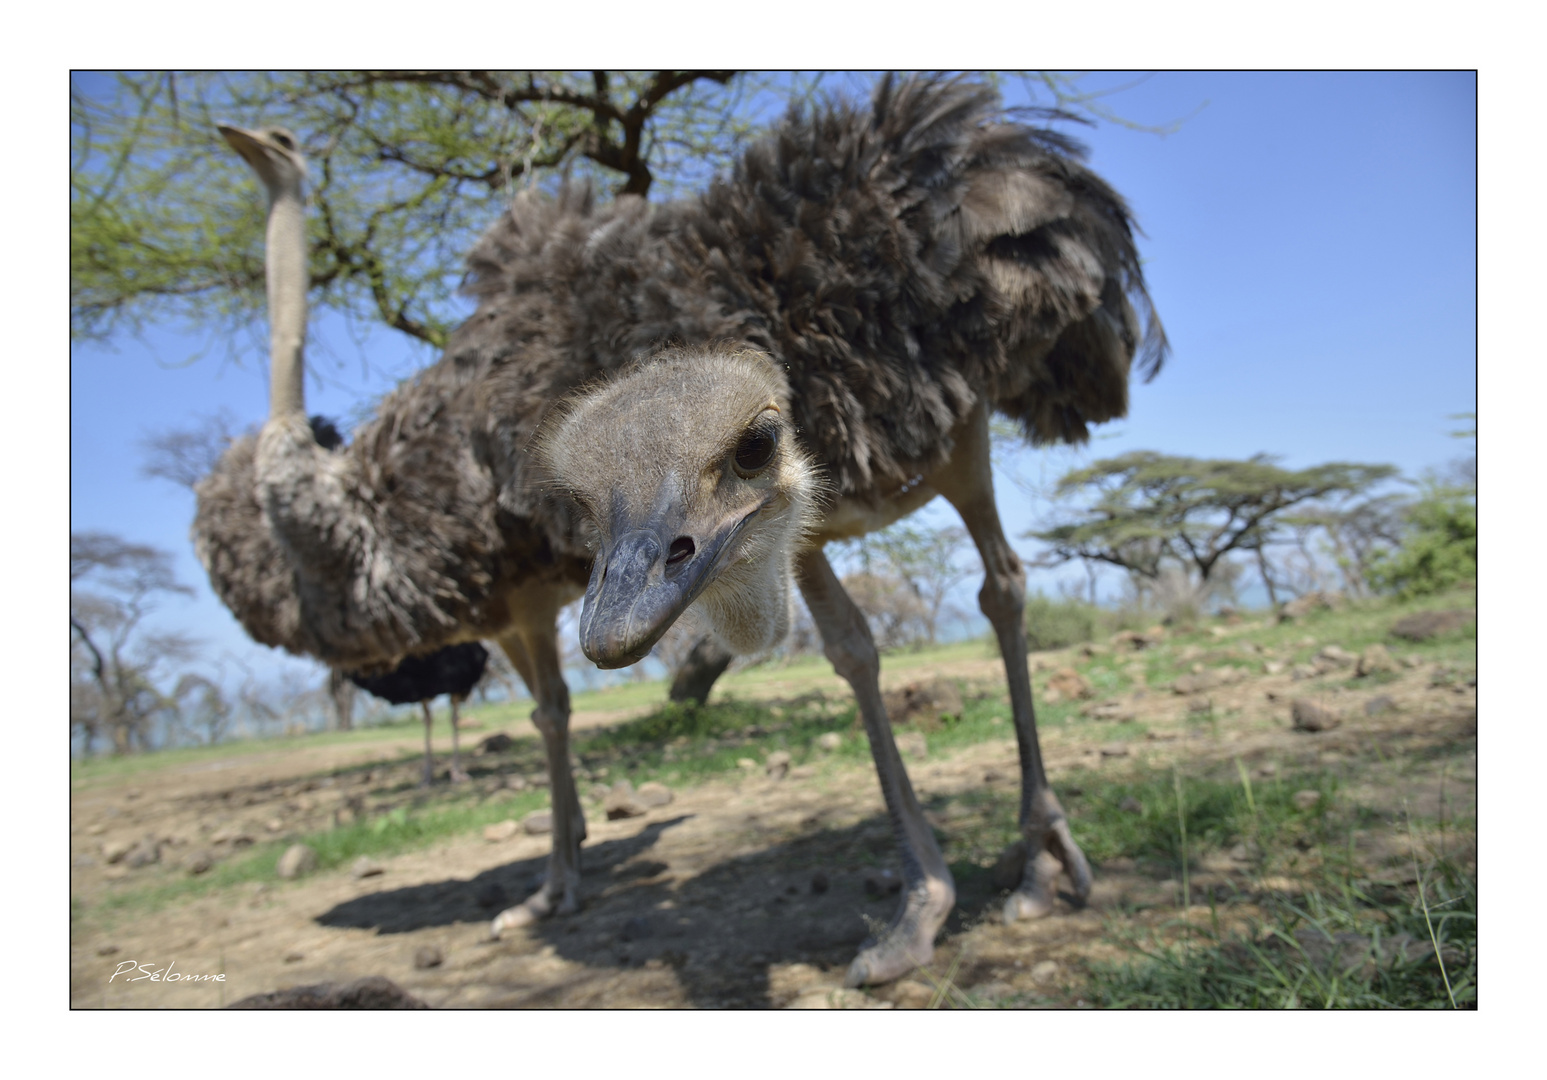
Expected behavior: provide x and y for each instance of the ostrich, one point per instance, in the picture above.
(912, 265)
(881, 284)
(454, 671)
(424, 531)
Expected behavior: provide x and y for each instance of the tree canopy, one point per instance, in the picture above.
(1143, 508)
(406, 169)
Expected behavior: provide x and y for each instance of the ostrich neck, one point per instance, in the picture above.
(286, 267)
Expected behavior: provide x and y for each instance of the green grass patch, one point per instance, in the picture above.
(1338, 947)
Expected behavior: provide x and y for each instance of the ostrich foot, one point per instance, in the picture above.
(538, 906)
(1034, 897)
(909, 942)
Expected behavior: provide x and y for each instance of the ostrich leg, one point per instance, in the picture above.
(457, 775)
(967, 483)
(929, 890)
(429, 759)
(533, 651)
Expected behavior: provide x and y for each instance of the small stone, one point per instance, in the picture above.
(147, 851)
(428, 956)
(1303, 671)
(1378, 706)
(1068, 684)
(298, 859)
(745, 763)
(1131, 805)
(1201, 706)
(114, 850)
(1267, 770)
(106, 950)
(516, 782)
(1375, 659)
(500, 830)
(1306, 799)
(365, 867)
(992, 776)
(1115, 749)
(1309, 716)
(294, 957)
(777, 764)
(198, 862)
(637, 929)
(1273, 667)
(819, 882)
(829, 741)
(884, 883)
(1338, 655)
(1044, 971)
(654, 794)
(537, 823)
(497, 743)
(621, 803)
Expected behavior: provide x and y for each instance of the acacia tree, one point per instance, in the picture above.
(905, 577)
(116, 663)
(1143, 510)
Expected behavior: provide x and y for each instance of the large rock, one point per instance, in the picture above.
(1309, 716)
(500, 830)
(372, 992)
(1428, 624)
(1375, 659)
(298, 859)
(926, 702)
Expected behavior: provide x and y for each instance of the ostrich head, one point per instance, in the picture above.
(273, 154)
(688, 467)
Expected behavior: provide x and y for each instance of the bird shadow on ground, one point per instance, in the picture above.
(810, 900)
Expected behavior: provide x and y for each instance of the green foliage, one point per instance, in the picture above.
(1053, 624)
(406, 169)
(1440, 549)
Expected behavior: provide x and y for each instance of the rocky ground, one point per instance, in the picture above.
(752, 887)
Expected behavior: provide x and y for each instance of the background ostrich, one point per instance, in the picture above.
(421, 533)
(912, 264)
(454, 671)
(901, 275)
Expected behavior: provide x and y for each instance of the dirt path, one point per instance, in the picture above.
(745, 891)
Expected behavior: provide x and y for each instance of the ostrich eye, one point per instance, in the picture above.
(756, 448)
(282, 139)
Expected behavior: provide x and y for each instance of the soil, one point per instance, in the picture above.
(717, 899)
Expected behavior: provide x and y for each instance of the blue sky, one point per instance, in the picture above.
(1310, 242)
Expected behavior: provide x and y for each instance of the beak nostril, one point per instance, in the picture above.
(681, 548)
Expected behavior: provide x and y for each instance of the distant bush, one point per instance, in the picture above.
(1052, 624)
(1439, 550)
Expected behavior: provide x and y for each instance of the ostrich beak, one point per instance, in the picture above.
(247, 143)
(649, 575)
